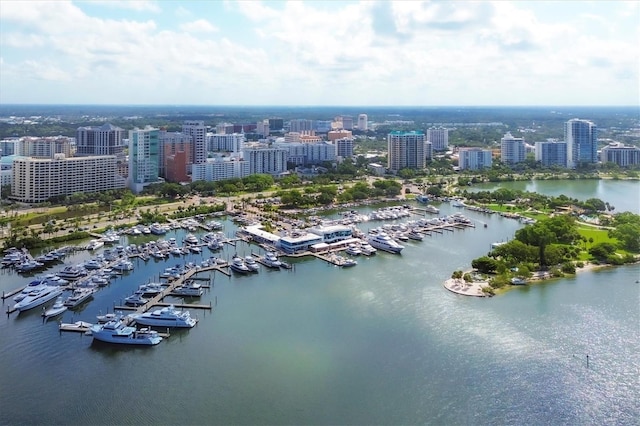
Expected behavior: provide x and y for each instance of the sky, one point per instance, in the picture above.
(333, 53)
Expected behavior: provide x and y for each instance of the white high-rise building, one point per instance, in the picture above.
(198, 131)
(474, 158)
(267, 160)
(512, 149)
(363, 122)
(221, 168)
(406, 150)
(439, 138)
(225, 142)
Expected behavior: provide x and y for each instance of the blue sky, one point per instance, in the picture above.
(320, 53)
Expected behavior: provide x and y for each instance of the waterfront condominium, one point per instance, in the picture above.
(439, 138)
(103, 140)
(144, 157)
(474, 158)
(512, 149)
(38, 179)
(623, 156)
(581, 137)
(198, 132)
(551, 153)
(406, 150)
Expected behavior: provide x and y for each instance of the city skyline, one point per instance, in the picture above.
(315, 53)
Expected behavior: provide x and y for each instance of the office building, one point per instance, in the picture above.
(551, 153)
(103, 140)
(334, 135)
(276, 124)
(363, 122)
(262, 128)
(623, 156)
(301, 125)
(344, 147)
(36, 180)
(581, 137)
(512, 149)
(439, 138)
(405, 150)
(474, 158)
(144, 158)
(198, 132)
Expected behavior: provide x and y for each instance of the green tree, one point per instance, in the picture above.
(485, 264)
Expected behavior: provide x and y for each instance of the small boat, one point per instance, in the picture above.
(432, 209)
(191, 239)
(55, 310)
(189, 288)
(353, 250)
(165, 317)
(271, 260)
(151, 289)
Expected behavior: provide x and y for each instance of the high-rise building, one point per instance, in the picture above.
(262, 159)
(221, 168)
(301, 125)
(406, 150)
(623, 156)
(276, 124)
(46, 147)
(231, 142)
(103, 140)
(439, 138)
(198, 132)
(37, 179)
(581, 137)
(144, 159)
(171, 144)
(512, 149)
(474, 158)
(344, 147)
(363, 122)
(262, 128)
(347, 122)
(339, 134)
(551, 153)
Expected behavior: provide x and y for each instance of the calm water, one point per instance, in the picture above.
(381, 343)
(624, 195)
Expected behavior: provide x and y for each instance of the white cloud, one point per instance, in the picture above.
(137, 5)
(199, 26)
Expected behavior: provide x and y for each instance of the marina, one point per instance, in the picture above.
(382, 332)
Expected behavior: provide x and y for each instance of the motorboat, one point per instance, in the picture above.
(78, 297)
(38, 296)
(422, 198)
(165, 317)
(271, 260)
(151, 289)
(94, 245)
(190, 288)
(33, 285)
(347, 262)
(195, 249)
(367, 249)
(93, 264)
(432, 209)
(71, 272)
(135, 299)
(238, 265)
(384, 242)
(158, 229)
(251, 263)
(103, 319)
(56, 309)
(123, 265)
(29, 265)
(191, 239)
(115, 331)
(353, 250)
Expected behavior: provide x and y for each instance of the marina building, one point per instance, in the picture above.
(103, 140)
(144, 157)
(551, 153)
(406, 150)
(297, 241)
(439, 138)
(332, 234)
(581, 137)
(623, 156)
(512, 149)
(36, 180)
(474, 158)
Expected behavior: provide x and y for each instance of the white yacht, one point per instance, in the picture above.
(56, 309)
(33, 285)
(191, 239)
(165, 317)
(116, 331)
(384, 242)
(271, 260)
(135, 299)
(79, 296)
(367, 249)
(189, 288)
(37, 297)
(238, 265)
(72, 272)
(251, 263)
(94, 244)
(151, 289)
(353, 250)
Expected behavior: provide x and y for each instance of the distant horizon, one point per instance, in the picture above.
(317, 106)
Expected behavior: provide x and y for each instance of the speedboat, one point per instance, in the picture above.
(432, 209)
(115, 331)
(271, 260)
(79, 296)
(165, 317)
(56, 309)
(37, 297)
(238, 265)
(384, 242)
(94, 244)
(251, 263)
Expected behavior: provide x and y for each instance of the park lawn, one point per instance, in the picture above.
(598, 235)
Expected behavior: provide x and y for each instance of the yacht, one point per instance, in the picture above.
(56, 309)
(189, 288)
(29, 265)
(191, 239)
(353, 250)
(158, 229)
(238, 265)
(37, 297)
(251, 263)
(271, 260)
(93, 264)
(151, 289)
(79, 296)
(422, 198)
(432, 209)
(94, 244)
(115, 331)
(367, 249)
(384, 242)
(135, 299)
(33, 285)
(72, 272)
(123, 265)
(165, 317)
